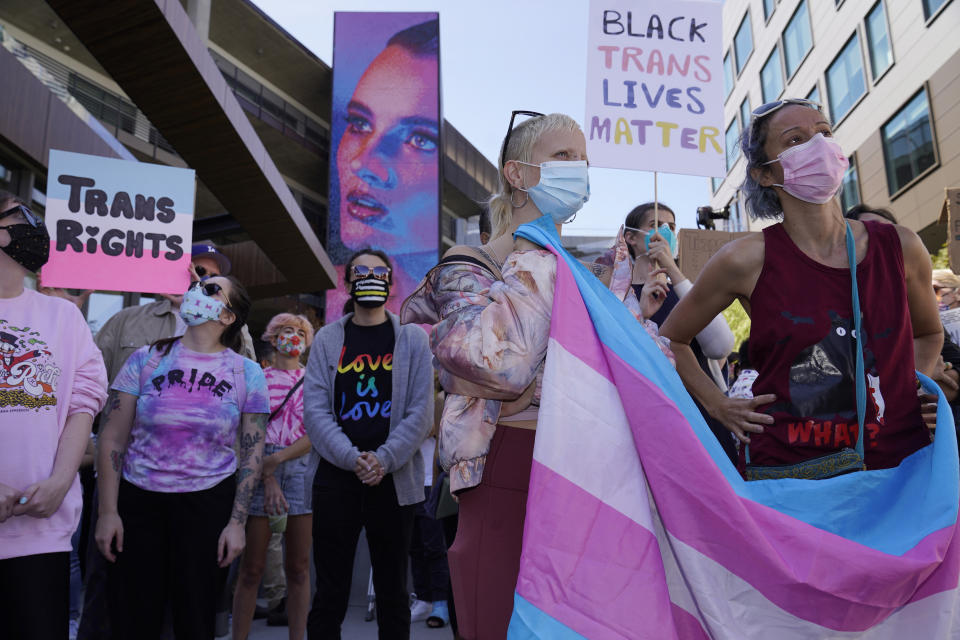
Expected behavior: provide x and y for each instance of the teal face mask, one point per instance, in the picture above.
(665, 233)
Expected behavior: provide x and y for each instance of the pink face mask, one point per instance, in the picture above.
(813, 171)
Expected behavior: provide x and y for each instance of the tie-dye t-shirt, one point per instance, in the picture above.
(188, 417)
(287, 426)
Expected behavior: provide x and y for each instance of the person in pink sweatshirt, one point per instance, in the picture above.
(52, 383)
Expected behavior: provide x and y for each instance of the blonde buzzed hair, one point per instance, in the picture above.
(523, 137)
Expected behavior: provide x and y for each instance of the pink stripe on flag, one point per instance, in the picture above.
(582, 557)
(574, 328)
(792, 563)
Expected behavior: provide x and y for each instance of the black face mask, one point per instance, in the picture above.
(29, 246)
(370, 292)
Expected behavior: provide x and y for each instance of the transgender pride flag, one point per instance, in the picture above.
(639, 527)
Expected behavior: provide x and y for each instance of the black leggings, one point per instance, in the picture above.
(169, 555)
(35, 596)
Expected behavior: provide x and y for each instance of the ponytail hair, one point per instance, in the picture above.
(523, 137)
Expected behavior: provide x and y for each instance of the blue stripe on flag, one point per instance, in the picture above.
(530, 623)
(889, 510)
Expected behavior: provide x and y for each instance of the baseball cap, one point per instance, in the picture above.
(210, 251)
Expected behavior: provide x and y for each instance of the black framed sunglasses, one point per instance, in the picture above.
(363, 271)
(203, 273)
(211, 289)
(28, 215)
(506, 140)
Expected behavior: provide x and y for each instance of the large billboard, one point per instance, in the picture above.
(385, 146)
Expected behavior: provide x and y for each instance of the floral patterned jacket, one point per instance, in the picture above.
(489, 341)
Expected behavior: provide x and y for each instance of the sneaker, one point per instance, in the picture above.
(439, 615)
(420, 610)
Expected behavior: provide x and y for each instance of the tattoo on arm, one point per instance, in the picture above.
(248, 466)
(112, 404)
(116, 460)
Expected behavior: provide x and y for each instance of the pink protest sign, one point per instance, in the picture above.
(117, 225)
(654, 86)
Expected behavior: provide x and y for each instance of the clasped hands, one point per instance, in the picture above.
(368, 469)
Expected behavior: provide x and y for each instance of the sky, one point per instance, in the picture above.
(501, 55)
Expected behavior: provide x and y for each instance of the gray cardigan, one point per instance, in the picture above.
(411, 413)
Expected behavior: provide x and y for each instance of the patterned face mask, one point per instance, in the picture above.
(290, 344)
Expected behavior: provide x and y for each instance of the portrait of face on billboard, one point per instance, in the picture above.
(385, 151)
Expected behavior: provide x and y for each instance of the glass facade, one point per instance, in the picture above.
(930, 7)
(728, 77)
(743, 42)
(815, 94)
(845, 79)
(850, 189)
(768, 8)
(908, 148)
(745, 113)
(732, 137)
(797, 39)
(878, 41)
(771, 77)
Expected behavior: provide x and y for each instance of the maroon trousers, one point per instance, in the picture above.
(485, 557)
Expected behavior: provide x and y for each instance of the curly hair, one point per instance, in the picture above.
(281, 320)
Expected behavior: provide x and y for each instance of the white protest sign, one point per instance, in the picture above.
(655, 86)
(118, 225)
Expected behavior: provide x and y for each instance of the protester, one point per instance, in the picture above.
(864, 212)
(126, 331)
(652, 247)
(179, 456)
(52, 383)
(282, 489)
(428, 553)
(491, 308)
(368, 407)
(796, 279)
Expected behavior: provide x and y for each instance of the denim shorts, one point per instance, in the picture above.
(292, 476)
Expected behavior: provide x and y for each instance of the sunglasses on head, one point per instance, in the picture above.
(506, 140)
(28, 215)
(770, 107)
(362, 271)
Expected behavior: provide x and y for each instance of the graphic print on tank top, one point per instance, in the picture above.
(822, 382)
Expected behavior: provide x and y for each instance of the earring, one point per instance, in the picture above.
(526, 197)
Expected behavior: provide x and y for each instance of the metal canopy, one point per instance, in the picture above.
(150, 48)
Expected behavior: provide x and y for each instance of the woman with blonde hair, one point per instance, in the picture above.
(283, 487)
(491, 308)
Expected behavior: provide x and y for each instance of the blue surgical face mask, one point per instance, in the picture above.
(197, 307)
(665, 232)
(563, 188)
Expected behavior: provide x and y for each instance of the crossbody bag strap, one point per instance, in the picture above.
(858, 339)
(290, 393)
(861, 387)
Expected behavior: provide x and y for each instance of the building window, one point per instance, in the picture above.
(768, 7)
(878, 41)
(745, 113)
(715, 184)
(732, 137)
(850, 190)
(814, 94)
(771, 77)
(797, 39)
(930, 7)
(845, 81)
(734, 223)
(743, 42)
(908, 148)
(728, 78)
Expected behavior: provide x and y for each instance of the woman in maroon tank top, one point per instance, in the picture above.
(794, 280)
